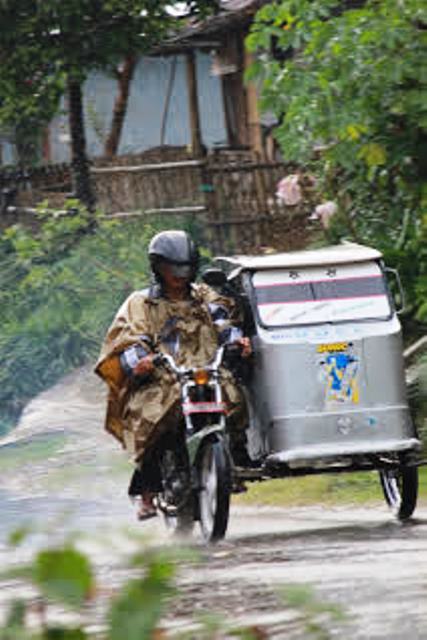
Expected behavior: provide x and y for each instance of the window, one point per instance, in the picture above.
(308, 295)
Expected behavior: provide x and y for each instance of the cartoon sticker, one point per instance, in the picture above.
(340, 367)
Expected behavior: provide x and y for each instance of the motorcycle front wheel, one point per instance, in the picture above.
(215, 488)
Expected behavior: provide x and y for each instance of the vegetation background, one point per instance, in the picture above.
(61, 289)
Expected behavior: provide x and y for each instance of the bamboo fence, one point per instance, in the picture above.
(232, 196)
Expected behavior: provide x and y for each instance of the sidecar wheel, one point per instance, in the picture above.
(214, 494)
(400, 488)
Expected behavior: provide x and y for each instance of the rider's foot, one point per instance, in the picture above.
(146, 508)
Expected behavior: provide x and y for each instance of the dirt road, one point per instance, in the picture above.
(59, 472)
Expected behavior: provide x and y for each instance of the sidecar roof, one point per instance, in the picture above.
(347, 252)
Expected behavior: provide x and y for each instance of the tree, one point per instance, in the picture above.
(78, 35)
(30, 86)
(64, 40)
(123, 73)
(349, 86)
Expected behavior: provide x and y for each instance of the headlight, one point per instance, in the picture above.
(201, 376)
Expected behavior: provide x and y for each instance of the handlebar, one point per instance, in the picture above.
(164, 359)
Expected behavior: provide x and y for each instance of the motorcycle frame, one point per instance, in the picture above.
(195, 439)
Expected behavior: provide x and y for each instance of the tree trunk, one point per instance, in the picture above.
(254, 125)
(233, 91)
(82, 185)
(124, 77)
(197, 146)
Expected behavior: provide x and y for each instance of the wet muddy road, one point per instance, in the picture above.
(60, 473)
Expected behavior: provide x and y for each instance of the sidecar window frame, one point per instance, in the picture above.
(247, 280)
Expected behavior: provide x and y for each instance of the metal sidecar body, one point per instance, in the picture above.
(327, 389)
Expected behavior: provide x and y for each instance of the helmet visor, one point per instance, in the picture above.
(181, 270)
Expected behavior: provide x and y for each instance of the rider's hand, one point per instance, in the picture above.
(144, 366)
(246, 346)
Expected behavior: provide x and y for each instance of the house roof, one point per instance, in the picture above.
(336, 254)
(207, 33)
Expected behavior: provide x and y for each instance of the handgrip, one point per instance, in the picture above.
(157, 360)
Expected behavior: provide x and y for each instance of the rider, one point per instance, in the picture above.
(184, 319)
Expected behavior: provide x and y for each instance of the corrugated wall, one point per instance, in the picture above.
(145, 109)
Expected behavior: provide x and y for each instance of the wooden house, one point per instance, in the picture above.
(222, 36)
(193, 141)
(189, 94)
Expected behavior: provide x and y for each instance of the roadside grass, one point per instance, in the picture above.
(328, 489)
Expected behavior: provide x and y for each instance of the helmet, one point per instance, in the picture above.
(176, 248)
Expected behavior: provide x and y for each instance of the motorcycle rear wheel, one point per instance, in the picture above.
(178, 510)
(215, 488)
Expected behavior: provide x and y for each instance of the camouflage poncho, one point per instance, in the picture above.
(190, 330)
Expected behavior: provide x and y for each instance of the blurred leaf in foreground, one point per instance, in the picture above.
(17, 536)
(64, 634)
(315, 613)
(65, 575)
(14, 627)
(136, 611)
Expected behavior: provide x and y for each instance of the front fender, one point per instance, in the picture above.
(195, 441)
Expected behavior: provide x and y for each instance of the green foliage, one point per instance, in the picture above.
(17, 537)
(61, 574)
(14, 628)
(64, 575)
(31, 81)
(69, 38)
(349, 87)
(59, 633)
(60, 289)
(314, 612)
(136, 611)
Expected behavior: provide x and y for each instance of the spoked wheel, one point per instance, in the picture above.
(400, 488)
(215, 487)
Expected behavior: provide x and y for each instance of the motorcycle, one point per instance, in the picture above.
(194, 460)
